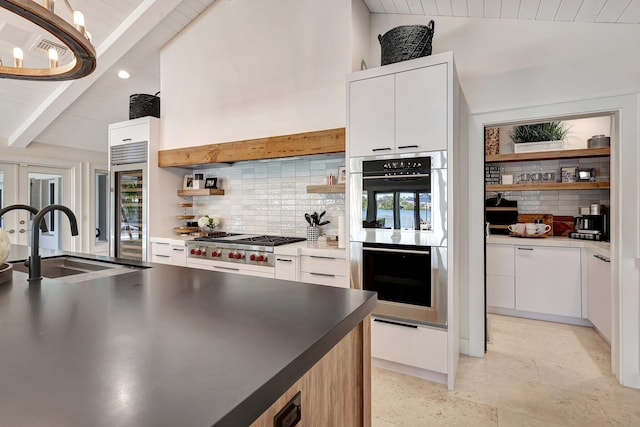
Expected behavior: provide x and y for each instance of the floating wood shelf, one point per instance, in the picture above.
(318, 189)
(202, 192)
(549, 155)
(185, 230)
(301, 144)
(185, 205)
(550, 186)
(185, 216)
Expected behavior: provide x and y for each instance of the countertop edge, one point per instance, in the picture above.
(255, 405)
(548, 241)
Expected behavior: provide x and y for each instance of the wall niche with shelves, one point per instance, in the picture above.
(552, 195)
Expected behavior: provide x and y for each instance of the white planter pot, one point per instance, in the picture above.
(526, 147)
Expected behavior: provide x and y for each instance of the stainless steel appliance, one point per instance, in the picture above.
(591, 227)
(407, 280)
(129, 200)
(239, 253)
(398, 234)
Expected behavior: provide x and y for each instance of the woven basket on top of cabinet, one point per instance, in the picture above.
(406, 42)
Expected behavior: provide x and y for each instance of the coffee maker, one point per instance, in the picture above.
(592, 227)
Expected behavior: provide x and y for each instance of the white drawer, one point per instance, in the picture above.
(129, 134)
(160, 249)
(323, 265)
(286, 267)
(421, 347)
(179, 255)
(324, 279)
(161, 259)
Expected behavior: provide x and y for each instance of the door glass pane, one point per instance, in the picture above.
(425, 211)
(102, 207)
(384, 210)
(44, 190)
(129, 209)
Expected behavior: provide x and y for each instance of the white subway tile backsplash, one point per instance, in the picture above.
(271, 197)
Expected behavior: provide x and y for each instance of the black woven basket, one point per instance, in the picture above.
(142, 105)
(406, 42)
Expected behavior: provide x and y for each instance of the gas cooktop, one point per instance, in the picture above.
(244, 239)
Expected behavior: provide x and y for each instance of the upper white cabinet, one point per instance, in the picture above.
(403, 111)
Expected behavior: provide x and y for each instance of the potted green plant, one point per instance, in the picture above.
(539, 137)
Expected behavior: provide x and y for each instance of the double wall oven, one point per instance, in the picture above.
(398, 234)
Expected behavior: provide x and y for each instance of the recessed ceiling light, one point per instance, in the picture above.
(123, 74)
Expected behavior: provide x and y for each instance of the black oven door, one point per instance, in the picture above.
(399, 274)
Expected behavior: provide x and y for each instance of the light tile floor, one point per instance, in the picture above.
(534, 374)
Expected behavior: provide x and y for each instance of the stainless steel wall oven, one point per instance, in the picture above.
(398, 234)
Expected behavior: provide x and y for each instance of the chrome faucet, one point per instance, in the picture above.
(43, 225)
(34, 259)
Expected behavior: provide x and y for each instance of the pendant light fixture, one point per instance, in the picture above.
(73, 36)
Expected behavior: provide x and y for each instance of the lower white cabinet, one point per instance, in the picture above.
(548, 280)
(501, 292)
(408, 344)
(324, 270)
(599, 292)
(167, 252)
(286, 267)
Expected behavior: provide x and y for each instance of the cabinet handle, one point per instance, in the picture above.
(178, 250)
(11, 231)
(160, 243)
(322, 274)
(162, 256)
(389, 322)
(381, 149)
(284, 260)
(126, 139)
(22, 222)
(22, 230)
(525, 249)
(403, 147)
(602, 258)
(226, 268)
(320, 257)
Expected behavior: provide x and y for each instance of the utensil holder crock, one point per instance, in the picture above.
(313, 233)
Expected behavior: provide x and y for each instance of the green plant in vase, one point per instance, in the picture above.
(549, 131)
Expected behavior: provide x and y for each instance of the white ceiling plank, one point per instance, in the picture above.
(528, 9)
(612, 10)
(402, 7)
(509, 9)
(568, 10)
(492, 8)
(444, 7)
(631, 14)
(415, 7)
(459, 8)
(130, 31)
(429, 7)
(389, 6)
(375, 6)
(548, 10)
(590, 9)
(476, 8)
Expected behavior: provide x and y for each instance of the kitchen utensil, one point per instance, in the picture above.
(536, 176)
(518, 228)
(524, 177)
(549, 176)
(308, 218)
(324, 223)
(530, 228)
(594, 209)
(542, 228)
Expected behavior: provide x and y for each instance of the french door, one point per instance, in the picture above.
(36, 186)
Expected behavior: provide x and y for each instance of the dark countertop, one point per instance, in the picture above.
(164, 346)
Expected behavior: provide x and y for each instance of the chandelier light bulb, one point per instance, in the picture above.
(78, 21)
(53, 58)
(123, 74)
(17, 57)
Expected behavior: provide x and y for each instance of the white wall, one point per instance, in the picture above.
(250, 69)
(360, 30)
(508, 63)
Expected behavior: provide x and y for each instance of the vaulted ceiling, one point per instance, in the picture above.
(128, 34)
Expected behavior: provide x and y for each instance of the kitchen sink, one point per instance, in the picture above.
(73, 269)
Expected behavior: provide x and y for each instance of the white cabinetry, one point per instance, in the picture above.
(501, 292)
(167, 251)
(599, 292)
(412, 345)
(324, 270)
(400, 112)
(286, 267)
(548, 280)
